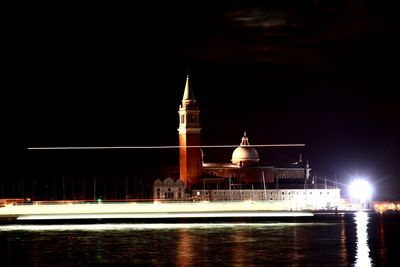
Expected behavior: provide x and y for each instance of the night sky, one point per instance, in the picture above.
(323, 73)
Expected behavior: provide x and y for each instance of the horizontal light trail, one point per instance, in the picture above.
(153, 147)
(246, 209)
(143, 226)
(171, 215)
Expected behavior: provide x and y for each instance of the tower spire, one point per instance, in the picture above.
(188, 93)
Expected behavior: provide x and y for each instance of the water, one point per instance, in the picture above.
(359, 240)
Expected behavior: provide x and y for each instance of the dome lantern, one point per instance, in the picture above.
(244, 154)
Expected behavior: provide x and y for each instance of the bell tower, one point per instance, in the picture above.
(189, 135)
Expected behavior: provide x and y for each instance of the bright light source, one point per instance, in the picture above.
(360, 189)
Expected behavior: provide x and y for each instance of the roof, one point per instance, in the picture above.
(244, 154)
(188, 93)
(219, 165)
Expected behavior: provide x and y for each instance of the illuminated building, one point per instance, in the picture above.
(386, 206)
(168, 189)
(244, 178)
(245, 170)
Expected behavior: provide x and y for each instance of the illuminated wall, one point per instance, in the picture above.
(291, 198)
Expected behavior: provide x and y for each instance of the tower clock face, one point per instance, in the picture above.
(193, 118)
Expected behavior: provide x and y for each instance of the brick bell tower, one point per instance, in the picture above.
(189, 135)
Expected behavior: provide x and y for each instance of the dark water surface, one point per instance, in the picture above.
(355, 240)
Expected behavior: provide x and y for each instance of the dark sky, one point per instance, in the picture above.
(323, 73)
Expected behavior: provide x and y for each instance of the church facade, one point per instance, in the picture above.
(242, 179)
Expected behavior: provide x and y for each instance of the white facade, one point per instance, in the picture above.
(286, 199)
(168, 189)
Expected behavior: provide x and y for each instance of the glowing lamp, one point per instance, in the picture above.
(360, 189)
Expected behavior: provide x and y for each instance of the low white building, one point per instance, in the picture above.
(287, 199)
(168, 189)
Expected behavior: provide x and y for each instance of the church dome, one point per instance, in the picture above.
(244, 154)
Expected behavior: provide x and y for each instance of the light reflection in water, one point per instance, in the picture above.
(239, 250)
(184, 249)
(325, 242)
(362, 254)
(296, 244)
(382, 247)
(342, 242)
(139, 226)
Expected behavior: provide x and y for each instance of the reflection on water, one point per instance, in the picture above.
(137, 227)
(362, 253)
(342, 241)
(184, 249)
(239, 250)
(382, 247)
(298, 241)
(359, 240)
(208, 244)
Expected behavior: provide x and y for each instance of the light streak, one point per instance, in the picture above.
(164, 215)
(154, 147)
(144, 226)
(146, 210)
